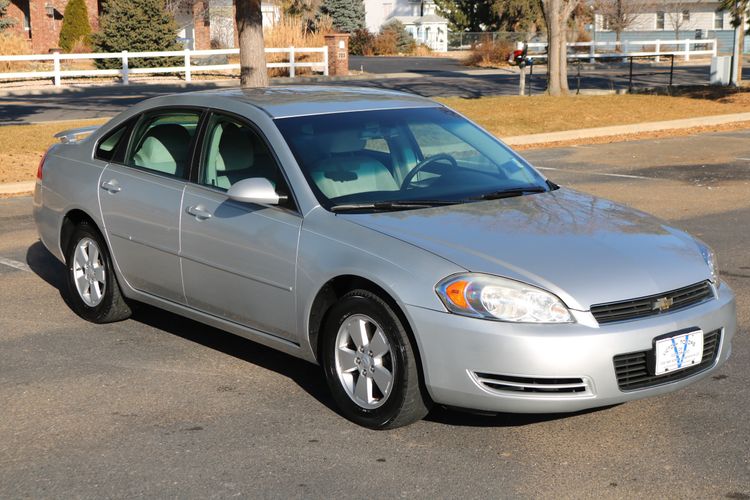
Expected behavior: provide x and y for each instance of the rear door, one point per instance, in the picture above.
(140, 200)
(239, 259)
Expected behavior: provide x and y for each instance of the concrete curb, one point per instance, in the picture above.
(17, 187)
(635, 128)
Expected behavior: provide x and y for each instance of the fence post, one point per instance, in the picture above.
(715, 42)
(291, 62)
(188, 76)
(592, 53)
(56, 66)
(325, 62)
(658, 50)
(125, 68)
(687, 49)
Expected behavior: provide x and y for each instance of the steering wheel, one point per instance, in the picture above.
(427, 161)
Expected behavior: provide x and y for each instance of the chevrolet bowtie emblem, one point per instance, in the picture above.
(663, 303)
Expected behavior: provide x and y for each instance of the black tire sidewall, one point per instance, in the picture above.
(359, 304)
(99, 312)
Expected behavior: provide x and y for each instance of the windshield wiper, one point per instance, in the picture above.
(509, 193)
(391, 205)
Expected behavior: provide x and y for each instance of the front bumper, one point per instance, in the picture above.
(454, 349)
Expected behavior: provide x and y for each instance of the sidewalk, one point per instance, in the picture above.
(18, 188)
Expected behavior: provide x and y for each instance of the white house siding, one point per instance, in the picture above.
(419, 17)
(702, 16)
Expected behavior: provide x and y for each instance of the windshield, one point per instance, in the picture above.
(408, 158)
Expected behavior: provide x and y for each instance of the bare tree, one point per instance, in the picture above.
(619, 15)
(678, 14)
(556, 15)
(249, 18)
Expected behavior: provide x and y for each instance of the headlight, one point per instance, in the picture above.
(710, 257)
(491, 297)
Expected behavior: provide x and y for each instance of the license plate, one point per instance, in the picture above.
(681, 351)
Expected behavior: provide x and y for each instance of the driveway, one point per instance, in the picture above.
(160, 406)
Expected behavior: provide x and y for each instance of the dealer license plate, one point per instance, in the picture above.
(679, 352)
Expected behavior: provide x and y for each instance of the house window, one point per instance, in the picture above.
(387, 9)
(660, 20)
(719, 20)
(23, 6)
(685, 15)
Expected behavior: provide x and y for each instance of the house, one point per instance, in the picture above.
(674, 19)
(201, 23)
(418, 16)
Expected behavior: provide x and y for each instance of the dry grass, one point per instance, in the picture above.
(13, 44)
(291, 31)
(22, 146)
(530, 115)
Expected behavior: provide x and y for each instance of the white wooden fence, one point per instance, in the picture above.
(188, 67)
(599, 50)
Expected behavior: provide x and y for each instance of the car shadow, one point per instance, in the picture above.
(307, 376)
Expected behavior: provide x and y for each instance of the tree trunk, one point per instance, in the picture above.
(563, 68)
(253, 72)
(554, 32)
(742, 50)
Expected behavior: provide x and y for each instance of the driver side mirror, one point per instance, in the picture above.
(254, 190)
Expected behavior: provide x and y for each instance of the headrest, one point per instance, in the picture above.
(235, 148)
(347, 141)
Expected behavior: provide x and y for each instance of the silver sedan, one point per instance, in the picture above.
(414, 256)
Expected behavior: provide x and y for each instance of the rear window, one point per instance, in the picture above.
(109, 148)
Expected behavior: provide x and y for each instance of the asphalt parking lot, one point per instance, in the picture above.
(160, 406)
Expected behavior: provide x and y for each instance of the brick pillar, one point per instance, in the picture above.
(338, 54)
(201, 25)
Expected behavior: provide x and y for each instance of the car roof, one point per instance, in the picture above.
(299, 100)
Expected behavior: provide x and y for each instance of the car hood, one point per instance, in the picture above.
(586, 250)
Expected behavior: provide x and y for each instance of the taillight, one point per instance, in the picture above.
(41, 166)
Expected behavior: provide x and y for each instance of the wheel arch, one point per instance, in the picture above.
(70, 221)
(337, 287)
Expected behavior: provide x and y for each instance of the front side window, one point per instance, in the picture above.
(660, 20)
(163, 142)
(233, 151)
(403, 155)
(719, 20)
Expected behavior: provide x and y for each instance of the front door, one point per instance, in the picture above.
(140, 201)
(238, 259)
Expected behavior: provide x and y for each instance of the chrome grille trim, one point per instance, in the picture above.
(643, 307)
(513, 384)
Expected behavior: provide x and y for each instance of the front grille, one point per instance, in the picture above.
(509, 383)
(648, 306)
(633, 372)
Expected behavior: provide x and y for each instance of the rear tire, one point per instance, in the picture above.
(370, 364)
(93, 291)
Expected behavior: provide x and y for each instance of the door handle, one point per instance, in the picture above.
(111, 186)
(199, 212)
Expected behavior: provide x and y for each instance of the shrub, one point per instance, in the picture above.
(136, 26)
(75, 25)
(395, 32)
(490, 52)
(5, 21)
(361, 43)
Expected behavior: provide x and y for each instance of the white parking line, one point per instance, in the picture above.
(625, 176)
(15, 264)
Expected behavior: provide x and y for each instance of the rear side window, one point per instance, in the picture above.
(163, 141)
(108, 147)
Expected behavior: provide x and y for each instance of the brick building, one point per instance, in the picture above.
(198, 21)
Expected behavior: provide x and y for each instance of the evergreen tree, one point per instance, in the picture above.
(136, 26)
(524, 16)
(75, 26)
(347, 15)
(5, 21)
(469, 15)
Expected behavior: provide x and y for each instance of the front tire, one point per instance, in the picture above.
(93, 291)
(370, 364)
